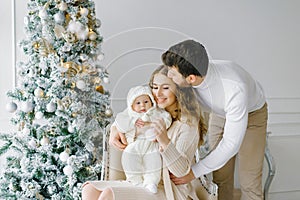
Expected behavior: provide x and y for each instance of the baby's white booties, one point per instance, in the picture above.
(152, 188)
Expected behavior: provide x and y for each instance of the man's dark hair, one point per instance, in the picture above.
(189, 56)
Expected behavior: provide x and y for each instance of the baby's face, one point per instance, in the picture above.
(142, 104)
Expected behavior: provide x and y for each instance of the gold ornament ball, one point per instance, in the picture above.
(92, 35)
(36, 45)
(100, 89)
(108, 112)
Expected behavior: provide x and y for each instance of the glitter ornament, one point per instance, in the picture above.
(38, 92)
(68, 170)
(11, 107)
(51, 107)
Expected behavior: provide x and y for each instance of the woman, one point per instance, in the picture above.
(177, 146)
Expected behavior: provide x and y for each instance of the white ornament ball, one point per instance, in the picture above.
(26, 106)
(51, 107)
(11, 107)
(32, 143)
(63, 156)
(106, 80)
(43, 14)
(75, 26)
(26, 131)
(68, 170)
(45, 141)
(82, 34)
(84, 12)
(100, 56)
(71, 129)
(62, 6)
(39, 115)
(80, 84)
(59, 18)
(38, 92)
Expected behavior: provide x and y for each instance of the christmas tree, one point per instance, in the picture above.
(60, 106)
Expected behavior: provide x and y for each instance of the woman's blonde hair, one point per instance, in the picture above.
(188, 108)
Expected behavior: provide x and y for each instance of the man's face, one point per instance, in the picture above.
(177, 77)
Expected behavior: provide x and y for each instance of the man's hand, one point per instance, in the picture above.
(183, 180)
(117, 139)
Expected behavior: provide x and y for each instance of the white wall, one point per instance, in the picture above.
(262, 36)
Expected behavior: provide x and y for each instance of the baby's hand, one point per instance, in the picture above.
(139, 123)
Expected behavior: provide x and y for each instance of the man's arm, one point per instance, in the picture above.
(183, 180)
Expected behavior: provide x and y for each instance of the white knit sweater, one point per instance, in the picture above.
(228, 91)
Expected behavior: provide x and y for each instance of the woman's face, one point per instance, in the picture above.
(163, 91)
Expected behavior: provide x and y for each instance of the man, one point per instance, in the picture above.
(238, 119)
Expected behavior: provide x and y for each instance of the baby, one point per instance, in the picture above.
(141, 159)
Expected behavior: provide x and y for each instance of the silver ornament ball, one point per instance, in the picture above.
(11, 107)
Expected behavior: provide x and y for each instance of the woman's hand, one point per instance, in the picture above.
(159, 127)
(183, 180)
(117, 139)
